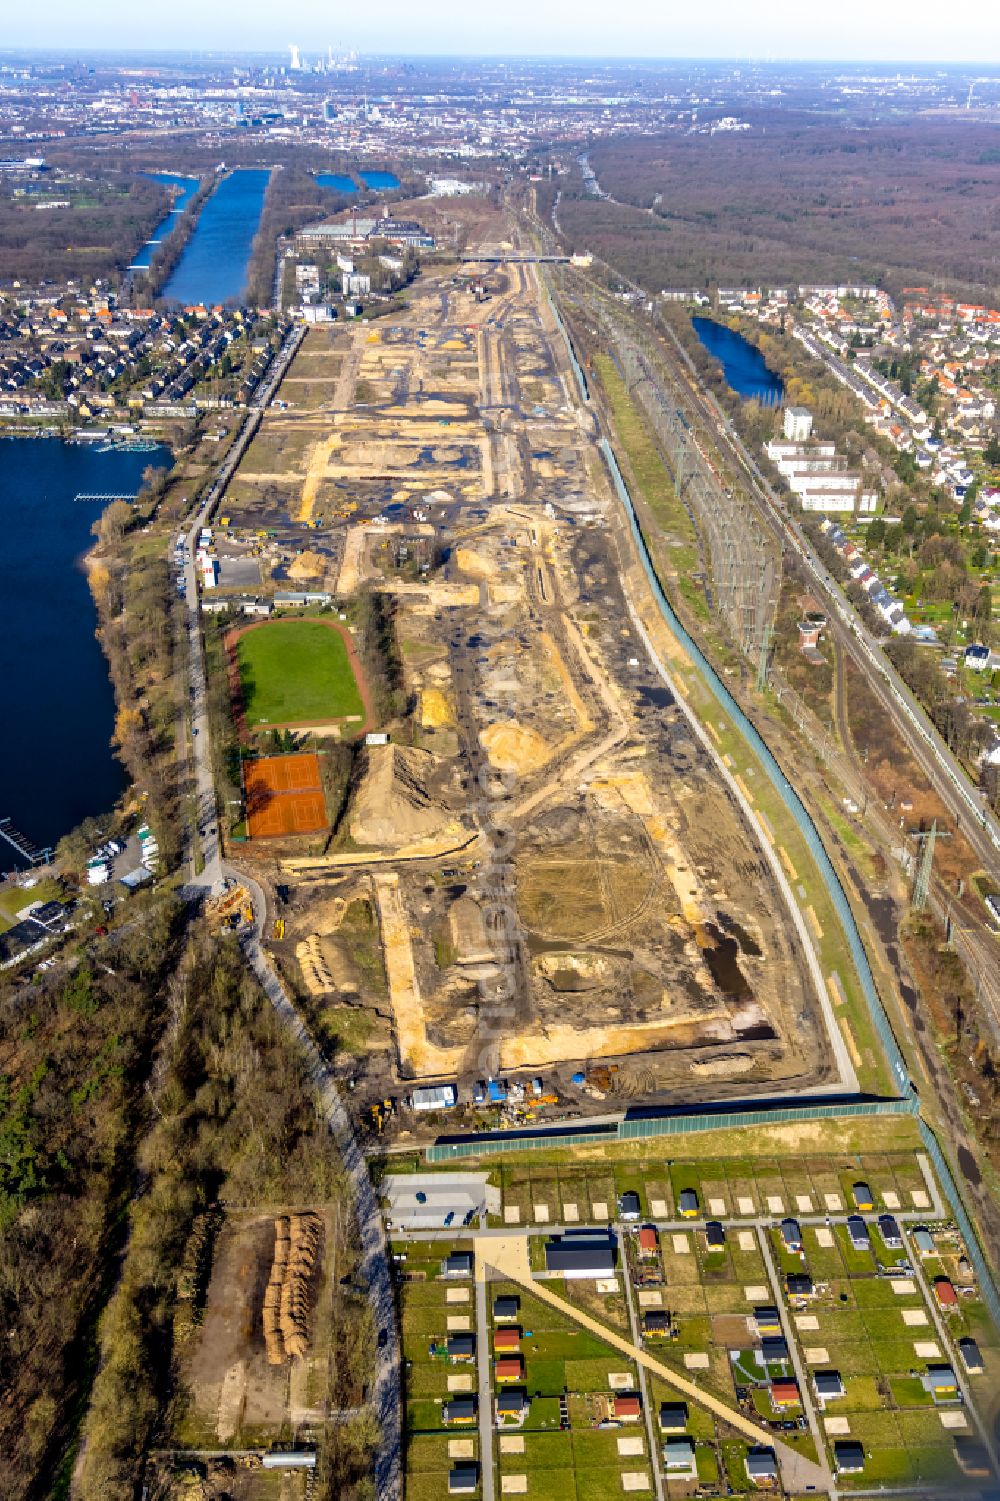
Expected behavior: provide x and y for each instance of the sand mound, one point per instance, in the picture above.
(574, 972)
(513, 747)
(393, 804)
(435, 709)
(308, 565)
(722, 1066)
(474, 564)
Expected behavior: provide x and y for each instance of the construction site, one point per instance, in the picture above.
(556, 868)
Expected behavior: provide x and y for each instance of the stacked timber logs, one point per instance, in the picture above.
(287, 1297)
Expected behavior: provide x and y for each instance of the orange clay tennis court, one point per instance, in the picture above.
(284, 795)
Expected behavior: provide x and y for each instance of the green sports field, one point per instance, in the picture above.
(295, 672)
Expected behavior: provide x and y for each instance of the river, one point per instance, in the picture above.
(188, 187)
(56, 764)
(213, 267)
(743, 365)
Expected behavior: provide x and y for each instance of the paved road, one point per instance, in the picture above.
(650, 1418)
(375, 1265)
(978, 824)
(954, 1358)
(508, 1255)
(805, 1394)
(485, 1398)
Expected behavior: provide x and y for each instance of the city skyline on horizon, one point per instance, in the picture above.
(779, 31)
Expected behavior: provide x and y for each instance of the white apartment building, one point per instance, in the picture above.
(798, 424)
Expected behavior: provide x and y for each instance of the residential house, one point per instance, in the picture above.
(848, 1456)
(459, 1412)
(942, 1383)
(890, 1232)
(784, 1394)
(971, 1356)
(862, 1196)
(679, 1457)
(673, 1417)
(762, 1466)
(791, 1235)
(799, 1285)
(715, 1235)
(944, 1291)
(858, 1232)
(829, 1385)
(655, 1324)
(625, 1407)
(463, 1479)
(649, 1243)
(767, 1319)
(512, 1407)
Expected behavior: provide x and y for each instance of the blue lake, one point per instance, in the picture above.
(56, 764)
(746, 371)
(188, 187)
(338, 182)
(213, 267)
(380, 181)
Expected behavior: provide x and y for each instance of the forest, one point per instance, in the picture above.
(109, 217)
(796, 199)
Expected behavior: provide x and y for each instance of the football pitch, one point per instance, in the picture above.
(296, 672)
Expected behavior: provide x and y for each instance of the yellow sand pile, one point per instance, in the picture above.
(435, 709)
(308, 565)
(393, 805)
(514, 747)
(474, 564)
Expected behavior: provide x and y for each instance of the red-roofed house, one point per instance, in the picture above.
(785, 1393)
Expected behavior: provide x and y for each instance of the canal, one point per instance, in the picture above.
(187, 187)
(746, 371)
(56, 764)
(213, 268)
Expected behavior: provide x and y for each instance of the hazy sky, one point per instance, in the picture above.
(925, 30)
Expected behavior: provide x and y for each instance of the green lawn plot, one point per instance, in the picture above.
(581, 1463)
(558, 1354)
(567, 1194)
(704, 1152)
(901, 1449)
(429, 1463)
(706, 1321)
(294, 672)
(609, 1308)
(430, 1379)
